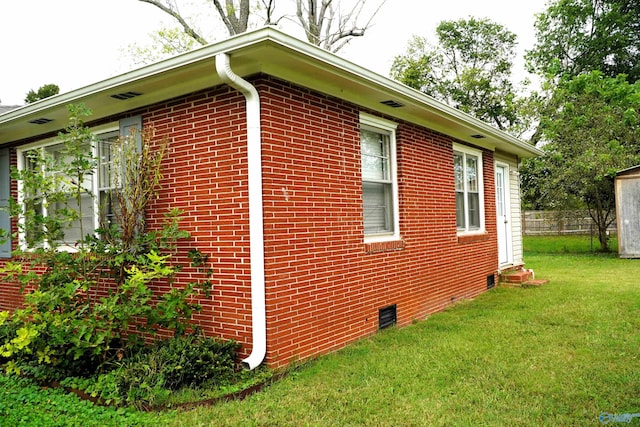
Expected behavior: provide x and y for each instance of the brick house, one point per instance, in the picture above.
(330, 200)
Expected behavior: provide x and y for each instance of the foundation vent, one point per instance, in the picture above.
(387, 316)
(491, 281)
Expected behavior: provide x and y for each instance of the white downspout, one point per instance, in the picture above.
(256, 230)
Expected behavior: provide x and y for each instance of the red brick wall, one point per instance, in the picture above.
(324, 285)
(205, 175)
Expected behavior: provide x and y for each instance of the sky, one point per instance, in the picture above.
(75, 43)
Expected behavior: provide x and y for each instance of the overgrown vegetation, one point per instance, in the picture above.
(24, 403)
(147, 378)
(89, 303)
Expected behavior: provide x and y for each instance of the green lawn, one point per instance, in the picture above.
(560, 354)
(570, 244)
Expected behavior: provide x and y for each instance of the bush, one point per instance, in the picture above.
(193, 360)
(85, 309)
(147, 378)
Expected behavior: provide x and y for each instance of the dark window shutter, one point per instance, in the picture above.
(5, 194)
(132, 124)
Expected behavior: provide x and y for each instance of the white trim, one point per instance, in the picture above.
(508, 211)
(478, 153)
(253, 51)
(378, 124)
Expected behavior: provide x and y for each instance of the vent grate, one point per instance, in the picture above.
(392, 103)
(126, 95)
(387, 316)
(491, 281)
(40, 121)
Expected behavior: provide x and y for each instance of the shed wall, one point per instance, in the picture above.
(627, 188)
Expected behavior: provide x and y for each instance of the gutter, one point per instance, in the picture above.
(256, 228)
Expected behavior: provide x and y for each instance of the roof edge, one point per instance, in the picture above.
(400, 88)
(205, 52)
(273, 35)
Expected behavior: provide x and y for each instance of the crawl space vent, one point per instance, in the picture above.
(387, 316)
(491, 281)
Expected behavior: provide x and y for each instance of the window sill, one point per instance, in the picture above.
(384, 246)
(471, 238)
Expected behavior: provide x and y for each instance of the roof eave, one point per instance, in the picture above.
(250, 53)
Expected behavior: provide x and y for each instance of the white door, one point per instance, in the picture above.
(503, 217)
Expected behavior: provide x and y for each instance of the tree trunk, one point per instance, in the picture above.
(603, 238)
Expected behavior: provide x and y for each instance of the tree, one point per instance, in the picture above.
(470, 69)
(165, 42)
(42, 93)
(326, 26)
(578, 36)
(593, 129)
(324, 23)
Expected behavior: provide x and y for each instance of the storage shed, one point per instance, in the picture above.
(627, 187)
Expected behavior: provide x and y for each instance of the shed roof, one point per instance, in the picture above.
(268, 51)
(634, 170)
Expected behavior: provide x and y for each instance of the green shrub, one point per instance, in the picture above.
(147, 378)
(193, 360)
(82, 309)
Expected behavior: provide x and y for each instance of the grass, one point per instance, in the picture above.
(560, 354)
(569, 244)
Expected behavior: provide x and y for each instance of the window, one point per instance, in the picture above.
(379, 182)
(106, 184)
(94, 207)
(467, 166)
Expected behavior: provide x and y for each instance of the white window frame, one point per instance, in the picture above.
(388, 128)
(467, 230)
(101, 130)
